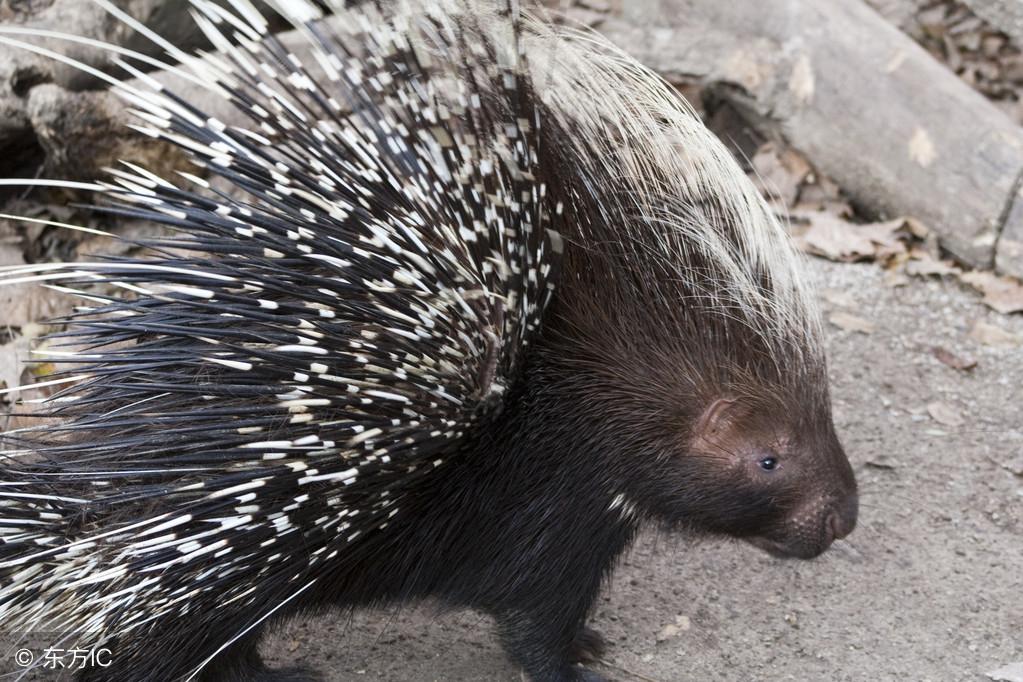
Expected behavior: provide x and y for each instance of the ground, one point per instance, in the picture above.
(929, 587)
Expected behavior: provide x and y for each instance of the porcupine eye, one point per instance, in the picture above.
(768, 463)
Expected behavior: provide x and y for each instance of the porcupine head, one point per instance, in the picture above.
(684, 337)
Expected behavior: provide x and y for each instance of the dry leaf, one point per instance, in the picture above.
(801, 82)
(829, 236)
(893, 278)
(851, 323)
(779, 175)
(820, 193)
(1009, 673)
(923, 264)
(947, 357)
(842, 299)
(943, 413)
(832, 238)
(991, 335)
(883, 234)
(882, 462)
(669, 631)
(1003, 294)
(921, 148)
(21, 304)
(917, 228)
(1015, 466)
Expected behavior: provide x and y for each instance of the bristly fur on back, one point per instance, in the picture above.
(355, 287)
(676, 243)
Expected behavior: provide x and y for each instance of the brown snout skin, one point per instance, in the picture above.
(809, 538)
(842, 519)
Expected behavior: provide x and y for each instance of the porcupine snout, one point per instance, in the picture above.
(815, 525)
(842, 519)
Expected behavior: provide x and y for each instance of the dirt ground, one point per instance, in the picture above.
(928, 588)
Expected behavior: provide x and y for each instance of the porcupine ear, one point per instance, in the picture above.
(713, 419)
(711, 430)
(350, 283)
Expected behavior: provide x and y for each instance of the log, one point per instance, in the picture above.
(900, 133)
(22, 70)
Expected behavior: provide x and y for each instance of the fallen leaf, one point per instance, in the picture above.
(820, 189)
(1010, 673)
(884, 235)
(669, 631)
(917, 228)
(991, 335)
(851, 323)
(811, 201)
(896, 61)
(923, 264)
(839, 297)
(13, 373)
(827, 235)
(831, 237)
(801, 82)
(779, 174)
(1014, 465)
(893, 279)
(921, 148)
(1003, 294)
(943, 413)
(882, 462)
(947, 357)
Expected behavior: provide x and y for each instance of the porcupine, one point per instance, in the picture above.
(483, 299)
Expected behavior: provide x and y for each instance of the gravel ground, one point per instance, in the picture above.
(929, 587)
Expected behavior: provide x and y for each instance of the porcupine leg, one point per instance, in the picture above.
(241, 662)
(544, 655)
(550, 642)
(588, 646)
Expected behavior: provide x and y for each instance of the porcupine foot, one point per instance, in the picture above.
(547, 656)
(588, 646)
(570, 673)
(245, 665)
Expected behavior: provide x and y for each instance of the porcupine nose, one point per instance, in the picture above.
(842, 519)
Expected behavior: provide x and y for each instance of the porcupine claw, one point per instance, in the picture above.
(588, 646)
